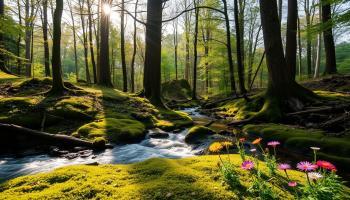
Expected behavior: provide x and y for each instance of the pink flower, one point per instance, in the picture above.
(306, 166)
(247, 165)
(284, 166)
(273, 143)
(292, 184)
(326, 165)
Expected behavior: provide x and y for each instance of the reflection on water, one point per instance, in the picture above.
(171, 147)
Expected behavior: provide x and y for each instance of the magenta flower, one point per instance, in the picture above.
(284, 166)
(273, 143)
(247, 165)
(306, 166)
(292, 184)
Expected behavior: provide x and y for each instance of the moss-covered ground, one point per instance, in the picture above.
(190, 178)
(85, 111)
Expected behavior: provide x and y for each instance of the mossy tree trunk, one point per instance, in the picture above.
(57, 81)
(104, 78)
(282, 89)
(152, 70)
(331, 65)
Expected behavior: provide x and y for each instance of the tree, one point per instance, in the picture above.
(152, 70)
(122, 47)
(308, 36)
(195, 52)
(87, 71)
(92, 54)
(2, 57)
(74, 41)
(132, 71)
(28, 36)
(57, 81)
(331, 65)
(319, 45)
(175, 24)
(239, 51)
(229, 48)
(291, 41)
(282, 90)
(104, 78)
(46, 40)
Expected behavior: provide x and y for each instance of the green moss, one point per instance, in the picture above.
(99, 142)
(190, 178)
(300, 140)
(115, 130)
(173, 119)
(198, 132)
(333, 96)
(176, 90)
(79, 108)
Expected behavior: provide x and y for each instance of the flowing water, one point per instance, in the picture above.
(171, 147)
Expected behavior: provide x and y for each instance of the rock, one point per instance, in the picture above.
(85, 153)
(93, 164)
(158, 133)
(198, 133)
(70, 156)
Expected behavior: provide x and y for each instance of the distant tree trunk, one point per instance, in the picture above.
(19, 61)
(187, 36)
(57, 82)
(28, 37)
(46, 40)
(175, 47)
(308, 37)
(282, 89)
(97, 37)
(122, 47)
(132, 71)
(152, 70)
(104, 78)
(239, 52)
(319, 45)
(194, 81)
(331, 65)
(87, 71)
(2, 57)
(300, 49)
(92, 54)
(280, 9)
(206, 38)
(291, 41)
(229, 49)
(74, 42)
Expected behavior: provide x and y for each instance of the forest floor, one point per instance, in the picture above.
(95, 113)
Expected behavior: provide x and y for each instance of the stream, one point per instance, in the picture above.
(170, 147)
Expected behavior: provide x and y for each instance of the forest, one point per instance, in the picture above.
(175, 99)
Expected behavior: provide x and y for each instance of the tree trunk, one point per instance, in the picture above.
(187, 45)
(19, 61)
(97, 37)
(175, 48)
(57, 82)
(239, 52)
(46, 40)
(152, 70)
(229, 50)
(87, 71)
(282, 88)
(92, 54)
(319, 46)
(300, 48)
(74, 42)
(194, 81)
(2, 57)
(132, 71)
(291, 41)
(122, 47)
(308, 37)
(104, 78)
(331, 65)
(28, 37)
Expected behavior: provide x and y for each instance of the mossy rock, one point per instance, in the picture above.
(76, 108)
(197, 133)
(300, 140)
(189, 178)
(114, 130)
(176, 90)
(170, 120)
(99, 143)
(17, 103)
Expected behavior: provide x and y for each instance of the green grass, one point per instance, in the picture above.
(190, 178)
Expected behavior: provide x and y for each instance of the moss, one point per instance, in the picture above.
(197, 133)
(176, 90)
(99, 143)
(333, 96)
(190, 178)
(114, 130)
(74, 108)
(174, 119)
(300, 140)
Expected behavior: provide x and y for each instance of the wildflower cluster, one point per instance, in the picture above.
(320, 176)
